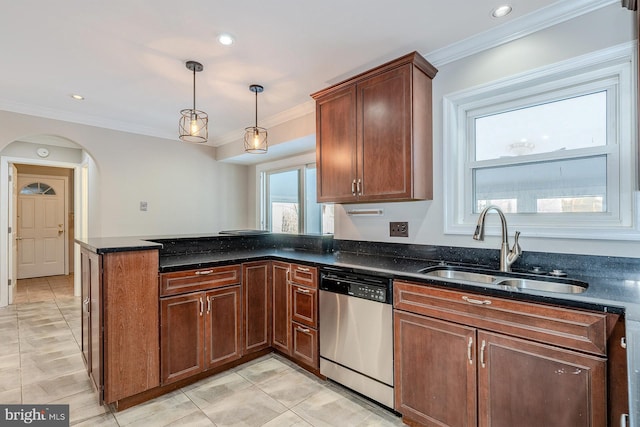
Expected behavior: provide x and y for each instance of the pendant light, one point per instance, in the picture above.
(194, 123)
(255, 138)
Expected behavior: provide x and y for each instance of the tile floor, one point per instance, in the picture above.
(40, 362)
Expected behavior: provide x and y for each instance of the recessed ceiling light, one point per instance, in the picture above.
(225, 39)
(77, 97)
(501, 11)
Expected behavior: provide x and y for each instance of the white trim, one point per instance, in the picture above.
(623, 224)
(546, 17)
(5, 247)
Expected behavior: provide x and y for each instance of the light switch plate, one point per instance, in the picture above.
(143, 206)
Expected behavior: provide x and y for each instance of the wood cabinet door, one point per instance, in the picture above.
(435, 371)
(384, 136)
(223, 328)
(526, 384)
(86, 300)
(182, 335)
(280, 306)
(304, 305)
(257, 299)
(95, 323)
(336, 146)
(304, 345)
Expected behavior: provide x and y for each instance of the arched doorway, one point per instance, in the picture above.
(51, 158)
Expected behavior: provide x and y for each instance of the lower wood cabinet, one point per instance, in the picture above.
(257, 305)
(295, 312)
(454, 373)
(199, 331)
(119, 309)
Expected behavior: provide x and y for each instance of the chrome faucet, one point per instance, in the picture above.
(507, 256)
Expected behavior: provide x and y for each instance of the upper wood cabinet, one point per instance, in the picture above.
(374, 134)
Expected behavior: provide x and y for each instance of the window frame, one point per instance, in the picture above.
(612, 69)
(264, 213)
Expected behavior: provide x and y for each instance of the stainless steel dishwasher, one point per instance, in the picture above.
(356, 333)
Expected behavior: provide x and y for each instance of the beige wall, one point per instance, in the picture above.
(186, 189)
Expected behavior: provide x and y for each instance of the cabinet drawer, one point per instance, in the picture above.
(564, 327)
(180, 282)
(304, 305)
(304, 345)
(303, 275)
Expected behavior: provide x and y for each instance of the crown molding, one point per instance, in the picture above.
(82, 119)
(546, 17)
(279, 118)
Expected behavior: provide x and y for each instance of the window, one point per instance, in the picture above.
(553, 148)
(38, 188)
(289, 202)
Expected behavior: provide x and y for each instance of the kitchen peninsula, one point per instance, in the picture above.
(243, 263)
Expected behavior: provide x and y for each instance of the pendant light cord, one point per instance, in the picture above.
(256, 109)
(194, 90)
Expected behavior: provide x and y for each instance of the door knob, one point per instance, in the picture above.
(60, 229)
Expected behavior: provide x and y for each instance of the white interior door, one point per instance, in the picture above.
(41, 226)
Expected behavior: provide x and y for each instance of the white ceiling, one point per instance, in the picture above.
(127, 57)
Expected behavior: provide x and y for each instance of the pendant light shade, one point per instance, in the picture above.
(194, 124)
(255, 138)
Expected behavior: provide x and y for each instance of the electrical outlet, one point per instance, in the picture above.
(399, 229)
(143, 206)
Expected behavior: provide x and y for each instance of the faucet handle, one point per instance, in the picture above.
(516, 246)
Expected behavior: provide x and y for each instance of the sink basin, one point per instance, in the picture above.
(462, 275)
(508, 281)
(541, 285)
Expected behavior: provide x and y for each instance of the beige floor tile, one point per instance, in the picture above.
(9, 397)
(288, 419)
(248, 407)
(264, 370)
(39, 367)
(10, 379)
(160, 411)
(291, 388)
(104, 420)
(9, 361)
(329, 408)
(83, 406)
(206, 392)
(195, 419)
(50, 390)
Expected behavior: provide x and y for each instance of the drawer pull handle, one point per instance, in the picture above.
(469, 347)
(305, 330)
(302, 290)
(476, 301)
(623, 420)
(204, 272)
(302, 269)
(484, 345)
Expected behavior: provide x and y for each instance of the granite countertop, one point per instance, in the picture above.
(603, 294)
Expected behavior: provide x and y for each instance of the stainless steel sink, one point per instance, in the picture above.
(509, 281)
(542, 285)
(467, 276)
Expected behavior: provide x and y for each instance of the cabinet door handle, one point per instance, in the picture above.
(482, 347)
(288, 275)
(209, 304)
(469, 349)
(86, 305)
(302, 269)
(476, 301)
(305, 330)
(203, 272)
(359, 187)
(303, 290)
(623, 420)
(353, 188)
(201, 306)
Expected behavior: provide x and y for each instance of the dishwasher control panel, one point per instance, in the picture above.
(359, 286)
